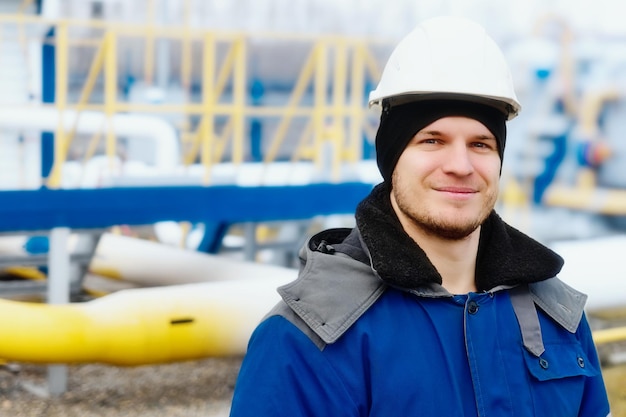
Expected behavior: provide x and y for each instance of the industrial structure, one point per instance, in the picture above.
(176, 113)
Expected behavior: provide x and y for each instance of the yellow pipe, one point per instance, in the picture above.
(139, 326)
(616, 334)
(27, 272)
(590, 109)
(596, 200)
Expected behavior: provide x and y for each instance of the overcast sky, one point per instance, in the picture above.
(504, 19)
(394, 18)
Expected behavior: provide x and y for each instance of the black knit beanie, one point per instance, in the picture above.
(399, 124)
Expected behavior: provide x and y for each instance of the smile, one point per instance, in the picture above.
(457, 190)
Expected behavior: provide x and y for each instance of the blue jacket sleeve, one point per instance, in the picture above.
(595, 402)
(285, 374)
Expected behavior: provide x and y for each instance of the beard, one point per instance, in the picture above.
(435, 224)
(443, 229)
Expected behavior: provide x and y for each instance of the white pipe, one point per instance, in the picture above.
(147, 263)
(13, 245)
(596, 267)
(131, 126)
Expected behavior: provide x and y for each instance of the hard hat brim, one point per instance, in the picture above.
(508, 107)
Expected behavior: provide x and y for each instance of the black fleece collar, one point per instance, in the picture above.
(506, 256)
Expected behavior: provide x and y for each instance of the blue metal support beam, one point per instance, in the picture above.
(45, 209)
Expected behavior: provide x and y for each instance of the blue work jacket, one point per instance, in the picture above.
(410, 356)
(350, 339)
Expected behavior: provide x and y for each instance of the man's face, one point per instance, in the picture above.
(446, 181)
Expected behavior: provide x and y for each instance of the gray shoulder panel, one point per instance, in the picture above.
(283, 310)
(331, 293)
(560, 301)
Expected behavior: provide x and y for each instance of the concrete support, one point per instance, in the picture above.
(58, 293)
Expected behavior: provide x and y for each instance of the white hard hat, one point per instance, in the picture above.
(448, 57)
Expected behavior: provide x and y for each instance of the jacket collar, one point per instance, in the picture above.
(336, 284)
(506, 256)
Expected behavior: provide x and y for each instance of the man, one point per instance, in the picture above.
(431, 305)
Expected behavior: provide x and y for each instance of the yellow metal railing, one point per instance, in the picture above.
(334, 74)
(336, 120)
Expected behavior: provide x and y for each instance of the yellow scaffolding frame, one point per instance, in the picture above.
(336, 120)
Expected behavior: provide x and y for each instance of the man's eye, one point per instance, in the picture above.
(481, 145)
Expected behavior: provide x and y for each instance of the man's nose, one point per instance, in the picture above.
(458, 160)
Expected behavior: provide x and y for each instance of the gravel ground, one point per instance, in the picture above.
(186, 389)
